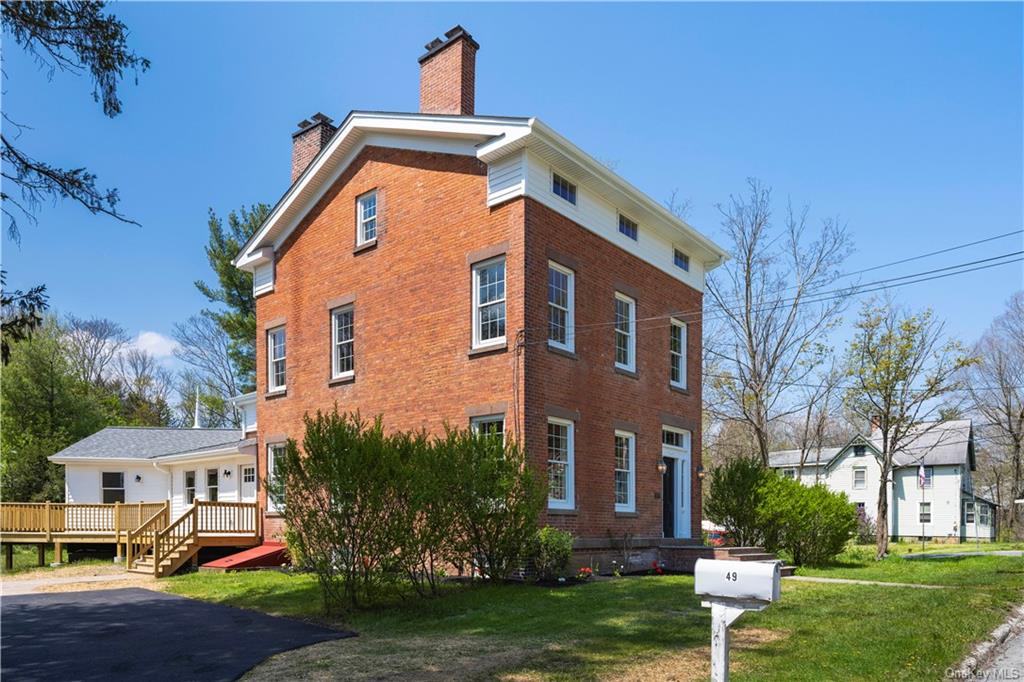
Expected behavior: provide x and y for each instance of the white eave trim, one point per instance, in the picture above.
(57, 459)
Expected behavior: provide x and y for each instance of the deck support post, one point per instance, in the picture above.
(58, 554)
(9, 556)
(117, 530)
(41, 549)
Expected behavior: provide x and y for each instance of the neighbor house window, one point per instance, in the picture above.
(925, 512)
(112, 483)
(625, 332)
(968, 512)
(563, 188)
(861, 511)
(859, 450)
(625, 465)
(212, 488)
(860, 479)
(276, 360)
(926, 482)
(677, 353)
(489, 425)
(561, 308)
(789, 473)
(681, 259)
(343, 362)
(273, 452)
(489, 302)
(366, 215)
(560, 464)
(628, 227)
(190, 487)
(984, 517)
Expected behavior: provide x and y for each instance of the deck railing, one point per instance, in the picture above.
(206, 518)
(142, 539)
(48, 518)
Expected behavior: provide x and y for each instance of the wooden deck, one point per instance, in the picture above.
(151, 541)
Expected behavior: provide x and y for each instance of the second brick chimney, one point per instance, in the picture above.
(308, 140)
(448, 74)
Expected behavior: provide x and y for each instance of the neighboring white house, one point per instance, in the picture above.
(931, 490)
(152, 464)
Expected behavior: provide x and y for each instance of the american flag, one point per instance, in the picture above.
(920, 475)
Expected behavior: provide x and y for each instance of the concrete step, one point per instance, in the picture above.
(741, 550)
(764, 556)
(788, 570)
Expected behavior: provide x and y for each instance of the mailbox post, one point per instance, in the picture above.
(730, 588)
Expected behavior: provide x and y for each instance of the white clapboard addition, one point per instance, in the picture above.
(729, 588)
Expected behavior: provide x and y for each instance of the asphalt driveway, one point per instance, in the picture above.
(139, 634)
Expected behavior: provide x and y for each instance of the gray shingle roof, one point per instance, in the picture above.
(936, 443)
(147, 443)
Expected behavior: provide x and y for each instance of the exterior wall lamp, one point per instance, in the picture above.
(138, 478)
(662, 467)
(700, 472)
(227, 473)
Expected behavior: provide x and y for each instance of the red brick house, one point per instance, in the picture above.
(443, 266)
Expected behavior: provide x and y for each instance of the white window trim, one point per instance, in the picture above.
(271, 387)
(683, 355)
(685, 447)
(206, 481)
(185, 487)
(686, 255)
(335, 374)
(970, 512)
(247, 468)
(631, 365)
(618, 227)
(570, 314)
(361, 223)
(864, 483)
(929, 479)
(475, 422)
(629, 506)
(570, 468)
(271, 504)
(921, 512)
(477, 267)
(123, 487)
(789, 473)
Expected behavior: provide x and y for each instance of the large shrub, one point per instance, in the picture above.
(812, 523)
(552, 552)
(732, 499)
(367, 510)
(759, 507)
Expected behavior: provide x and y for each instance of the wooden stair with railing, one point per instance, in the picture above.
(160, 548)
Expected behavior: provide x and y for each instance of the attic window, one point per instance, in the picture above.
(859, 450)
(563, 188)
(628, 227)
(681, 259)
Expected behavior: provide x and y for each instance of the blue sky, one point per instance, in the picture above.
(905, 120)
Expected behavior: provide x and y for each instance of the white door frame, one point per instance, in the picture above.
(683, 489)
(241, 483)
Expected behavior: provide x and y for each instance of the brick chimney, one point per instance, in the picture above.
(448, 74)
(308, 140)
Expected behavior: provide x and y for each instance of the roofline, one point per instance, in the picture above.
(529, 126)
(58, 459)
(205, 454)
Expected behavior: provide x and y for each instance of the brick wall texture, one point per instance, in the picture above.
(307, 143)
(412, 302)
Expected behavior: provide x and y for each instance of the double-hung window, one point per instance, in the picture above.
(677, 353)
(343, 359)
(789, 473)
(625, 332)
(489, 303)
(925, 512)
(563, 188)
(860, 478)
(625, 471)
(628, 227)
(112, 483)
(968, 512)
(561, 467)
(190, 487)
(212, 485)
(491, 425)
(276, 375)
(984, 517)
(561, 307)
(274, 451)
(366, 218)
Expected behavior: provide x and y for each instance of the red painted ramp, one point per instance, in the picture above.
(266, 555)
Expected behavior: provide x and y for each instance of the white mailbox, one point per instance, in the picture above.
(729, 588)
(738, 580)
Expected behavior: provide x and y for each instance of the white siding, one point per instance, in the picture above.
(82, 482)
(944, 497)
(228, 485)
(263, 278)
(506, 178)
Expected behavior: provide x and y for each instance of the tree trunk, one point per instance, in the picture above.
(882, 519)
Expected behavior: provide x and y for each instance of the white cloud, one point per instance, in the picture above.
(156, 344)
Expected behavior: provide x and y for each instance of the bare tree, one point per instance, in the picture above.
(815, 425)
(92, 346)
(773, 330)
(996, 388)
(205, 347)
(902, 369)
(145, 386)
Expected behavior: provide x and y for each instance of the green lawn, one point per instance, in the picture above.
(647, 627)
